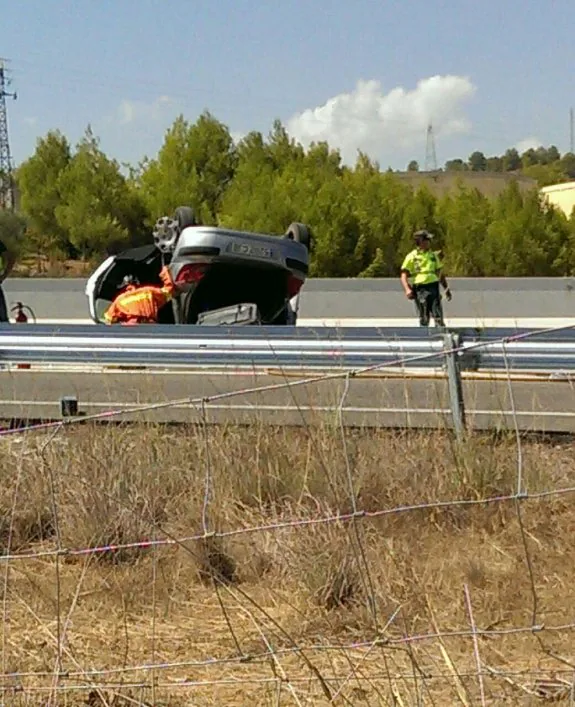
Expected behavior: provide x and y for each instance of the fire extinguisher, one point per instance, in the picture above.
(21, 317)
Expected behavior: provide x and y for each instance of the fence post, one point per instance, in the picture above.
(450, 342)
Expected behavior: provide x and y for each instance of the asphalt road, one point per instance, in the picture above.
(370, 401)
(350, 298)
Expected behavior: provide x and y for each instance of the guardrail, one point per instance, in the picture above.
(321, 349)
(216, 346)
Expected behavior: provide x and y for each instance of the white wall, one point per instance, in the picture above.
(561, 196)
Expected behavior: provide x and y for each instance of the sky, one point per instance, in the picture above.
(366, 75)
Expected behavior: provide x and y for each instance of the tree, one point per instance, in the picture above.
(365, 165)
(477, 162)
(320, 158)
(98, 210)
(546, 174)
(38, 180)
(511, 160)
(456, 165)
(524, 238)
(420, 213)
(311, 188)
(568, 164)
(282, 148)
(379, 202)
(465, 217)
(377, 266)
(363, 216)
(565, 262)
(337, 232)
(194, 167)
(250, 202)
(495, 164)
(530, 157)
(13, 231)
(553, 154)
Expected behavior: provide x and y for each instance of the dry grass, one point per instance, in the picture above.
(309, 593)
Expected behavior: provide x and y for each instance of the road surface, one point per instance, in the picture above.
(367, 401)
(359, 299)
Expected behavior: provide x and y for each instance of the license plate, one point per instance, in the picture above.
(257, 251)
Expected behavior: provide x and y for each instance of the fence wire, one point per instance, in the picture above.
(381, 661)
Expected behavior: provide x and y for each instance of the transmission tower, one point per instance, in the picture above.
(430, 156)
(6, 178)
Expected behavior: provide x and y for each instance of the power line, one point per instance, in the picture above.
(6, 177)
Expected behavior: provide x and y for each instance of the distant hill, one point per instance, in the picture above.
(488, 183)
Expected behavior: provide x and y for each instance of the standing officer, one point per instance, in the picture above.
(421, 275)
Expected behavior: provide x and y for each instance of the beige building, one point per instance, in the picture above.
(561, 195)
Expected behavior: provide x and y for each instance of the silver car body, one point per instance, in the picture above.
(209, 244)
(214, 246)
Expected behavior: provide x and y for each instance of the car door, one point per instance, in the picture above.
(103, 285)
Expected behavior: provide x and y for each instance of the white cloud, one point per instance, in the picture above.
(379, 123)
(132, 111)
(31, 121)
(530, 143)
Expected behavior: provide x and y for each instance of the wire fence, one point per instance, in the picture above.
(234, 642)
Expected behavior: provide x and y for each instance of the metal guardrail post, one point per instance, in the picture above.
(451, 342)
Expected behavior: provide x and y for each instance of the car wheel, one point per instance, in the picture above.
(301, 233)
(189, 312)
(185, 216)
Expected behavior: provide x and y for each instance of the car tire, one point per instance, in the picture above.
(185, 216)
(188, 312)
(301, 233)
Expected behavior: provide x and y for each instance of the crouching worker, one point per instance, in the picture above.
(140, 304)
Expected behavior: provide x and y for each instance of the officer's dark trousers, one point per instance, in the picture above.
(3, 308)
(428, 303)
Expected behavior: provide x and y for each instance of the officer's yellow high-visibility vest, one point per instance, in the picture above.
(423, 266)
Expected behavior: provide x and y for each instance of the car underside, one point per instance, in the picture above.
(223, 276)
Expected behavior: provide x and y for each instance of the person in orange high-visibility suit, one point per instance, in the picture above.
(140, 304)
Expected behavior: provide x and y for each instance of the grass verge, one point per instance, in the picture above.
(289, 568)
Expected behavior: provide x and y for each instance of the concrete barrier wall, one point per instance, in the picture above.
(530, 298)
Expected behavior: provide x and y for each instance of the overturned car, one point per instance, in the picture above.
(224, 276)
